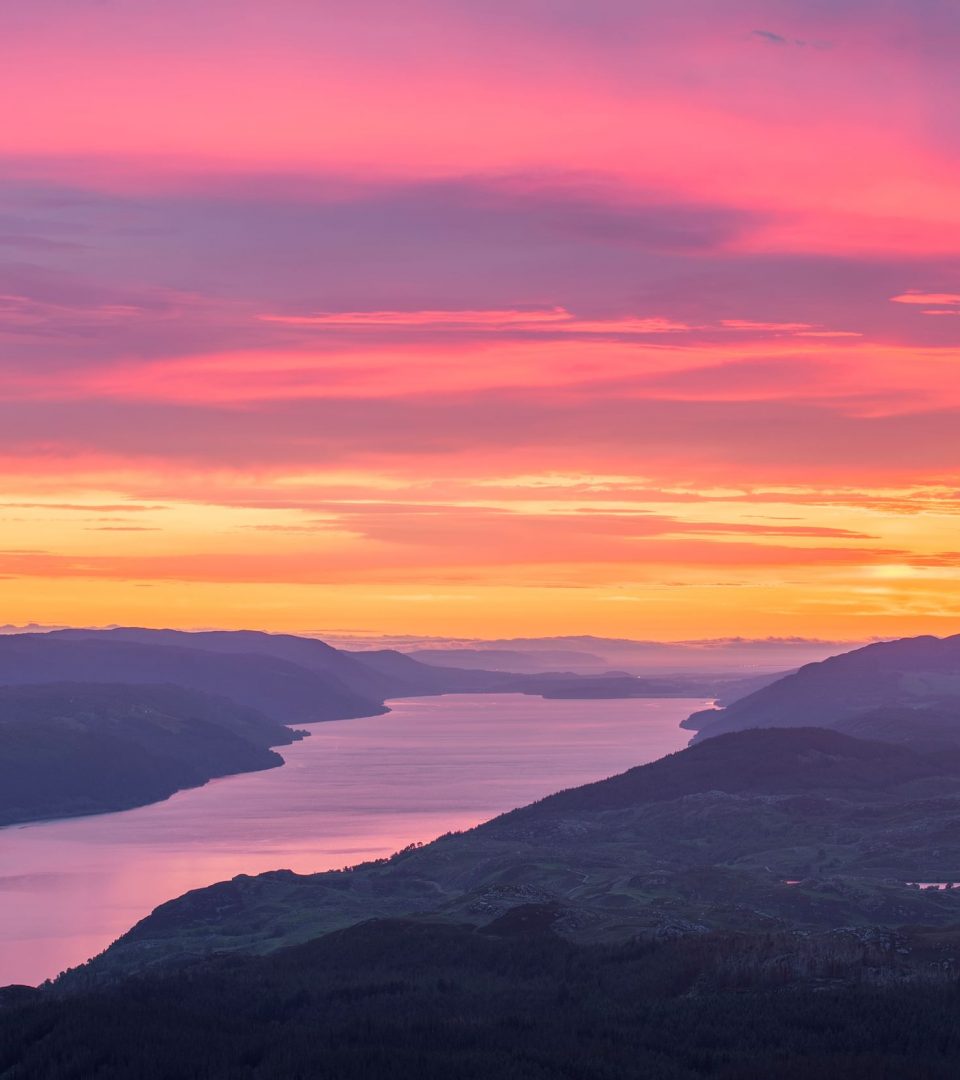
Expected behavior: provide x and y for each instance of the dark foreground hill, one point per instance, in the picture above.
(409, 1000)
(756, 831)
(737, 911)
(82, 748)
(912, 675)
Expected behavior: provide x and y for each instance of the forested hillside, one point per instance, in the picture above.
(83, 748)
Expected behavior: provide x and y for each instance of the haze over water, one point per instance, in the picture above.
(354, 790)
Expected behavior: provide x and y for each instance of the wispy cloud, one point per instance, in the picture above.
(915, 296)
(768, 37)
(555, 319)
(322, 315)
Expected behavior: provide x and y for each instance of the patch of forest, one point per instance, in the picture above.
(405, 999)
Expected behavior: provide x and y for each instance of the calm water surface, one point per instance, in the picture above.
(354, 790)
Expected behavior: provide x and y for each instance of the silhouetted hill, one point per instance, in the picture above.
(375, 675)
(912, 673)
(310, 653)
(83, 748)
(385, 673)
(283, 690)
(408, 676)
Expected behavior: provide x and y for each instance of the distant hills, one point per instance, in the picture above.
(284, 691)
(370, 677)
(284, 679)
(517, 660)
(589, 654)
(124, 716)
(904, 692)
(304, 680)
(901, 691)
(378, 674)
(322, 682)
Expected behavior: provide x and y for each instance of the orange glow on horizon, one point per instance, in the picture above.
(481, 320)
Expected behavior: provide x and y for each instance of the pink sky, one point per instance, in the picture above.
(515, 317)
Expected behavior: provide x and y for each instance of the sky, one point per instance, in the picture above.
(482, 317)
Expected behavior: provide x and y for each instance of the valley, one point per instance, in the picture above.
(348, 793)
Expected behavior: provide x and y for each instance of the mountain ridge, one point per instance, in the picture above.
(919, 673)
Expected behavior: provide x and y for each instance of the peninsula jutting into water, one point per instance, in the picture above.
(350, 792)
